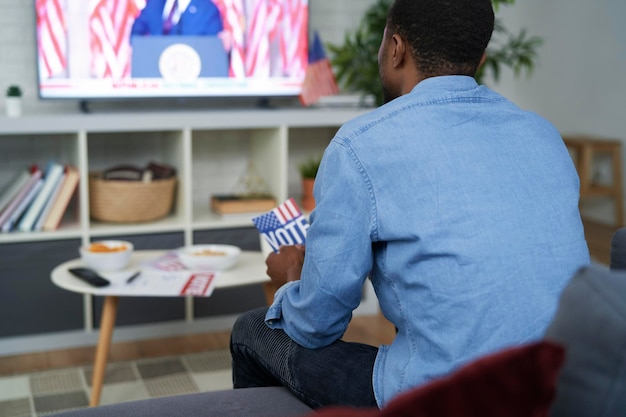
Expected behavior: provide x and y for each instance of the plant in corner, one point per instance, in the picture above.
(308, 172)
(14, 101)
(360, 50)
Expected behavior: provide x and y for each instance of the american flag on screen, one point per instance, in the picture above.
(51, 37)
(320, 80)
(110, 23)
(294, 38)
(257, 58)
(280, 24)
(284, 225)
(232, 13)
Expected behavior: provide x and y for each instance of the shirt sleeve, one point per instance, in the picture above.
(315, 311)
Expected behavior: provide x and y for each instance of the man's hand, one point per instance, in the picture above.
(286, 265)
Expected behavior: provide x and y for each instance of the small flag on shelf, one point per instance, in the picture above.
(319, 80)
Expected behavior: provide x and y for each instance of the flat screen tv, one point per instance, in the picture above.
(118, 49)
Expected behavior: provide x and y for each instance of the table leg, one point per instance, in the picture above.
(107, 322)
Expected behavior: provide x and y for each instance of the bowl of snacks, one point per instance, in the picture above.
(107, 255)
(209, 257)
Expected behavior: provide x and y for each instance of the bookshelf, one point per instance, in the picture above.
(210, 149)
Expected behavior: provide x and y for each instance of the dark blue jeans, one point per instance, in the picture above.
(338, 374)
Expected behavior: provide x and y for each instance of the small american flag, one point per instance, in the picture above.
(319, 80)
(284, 225)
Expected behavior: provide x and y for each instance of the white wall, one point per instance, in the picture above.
(579, 83)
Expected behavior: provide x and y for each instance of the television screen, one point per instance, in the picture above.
(113, 49)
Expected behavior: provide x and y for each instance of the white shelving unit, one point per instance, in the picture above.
(211, 150)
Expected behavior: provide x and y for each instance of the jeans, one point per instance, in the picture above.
(338, 374)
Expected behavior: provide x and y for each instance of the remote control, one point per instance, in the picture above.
(90, 276)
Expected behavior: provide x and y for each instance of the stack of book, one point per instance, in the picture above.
(36, 199)
(242, 205)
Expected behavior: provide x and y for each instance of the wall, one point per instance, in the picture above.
(579, 80)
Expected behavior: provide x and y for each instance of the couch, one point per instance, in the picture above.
(577, 370)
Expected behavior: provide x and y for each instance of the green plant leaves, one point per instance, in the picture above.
(308, 168)
(14, 91)
(356, 60)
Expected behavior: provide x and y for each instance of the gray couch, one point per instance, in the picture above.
(590, 323)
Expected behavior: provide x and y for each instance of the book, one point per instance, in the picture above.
(284, 225)
(70, 182)
(234, 204)
(34, 175)
(11, 223)
(48, 206)
(51, 176)
(12, 188)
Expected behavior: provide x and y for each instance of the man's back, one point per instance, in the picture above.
(472, 209)
(461, 209)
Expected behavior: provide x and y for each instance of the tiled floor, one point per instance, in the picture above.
(42, 393)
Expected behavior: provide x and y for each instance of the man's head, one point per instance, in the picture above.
(428, 38)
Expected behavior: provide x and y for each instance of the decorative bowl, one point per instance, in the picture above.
(209, 257)
(107, 255)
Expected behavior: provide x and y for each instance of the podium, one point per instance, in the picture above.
(178, 58)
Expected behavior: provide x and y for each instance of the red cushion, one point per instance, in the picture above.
(518, 381)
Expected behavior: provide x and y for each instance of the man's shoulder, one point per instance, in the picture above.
(363, 123)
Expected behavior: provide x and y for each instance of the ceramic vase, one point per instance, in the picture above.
(14, 106)
(308, 202)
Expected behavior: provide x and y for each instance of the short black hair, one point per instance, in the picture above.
(446, 37)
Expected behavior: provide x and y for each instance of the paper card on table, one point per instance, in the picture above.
(166, 262)
(199, 284)
(284, 225)
(156, 282)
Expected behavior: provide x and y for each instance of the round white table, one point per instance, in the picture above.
(250, 269)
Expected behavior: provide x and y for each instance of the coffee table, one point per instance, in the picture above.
(249, 270)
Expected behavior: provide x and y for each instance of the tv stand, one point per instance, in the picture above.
(83, 105)
(264, 103)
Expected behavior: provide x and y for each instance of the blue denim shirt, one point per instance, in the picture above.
(463, 211)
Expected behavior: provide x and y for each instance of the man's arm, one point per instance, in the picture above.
(315, 310)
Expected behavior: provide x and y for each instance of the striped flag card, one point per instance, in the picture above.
(284, 225)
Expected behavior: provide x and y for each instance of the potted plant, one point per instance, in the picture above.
(14, 101)
(308, 171)
(360, 49)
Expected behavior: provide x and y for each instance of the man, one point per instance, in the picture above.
(178, 17)
(461, 208)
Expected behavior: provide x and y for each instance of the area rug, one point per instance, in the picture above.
(43, 393)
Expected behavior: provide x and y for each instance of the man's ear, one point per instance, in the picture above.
(482, 60)
(399, 50)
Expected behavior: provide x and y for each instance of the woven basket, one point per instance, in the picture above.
(130, 201)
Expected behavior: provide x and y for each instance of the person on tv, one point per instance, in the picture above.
(178, 17)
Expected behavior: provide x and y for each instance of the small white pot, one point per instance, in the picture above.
(14, 106)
